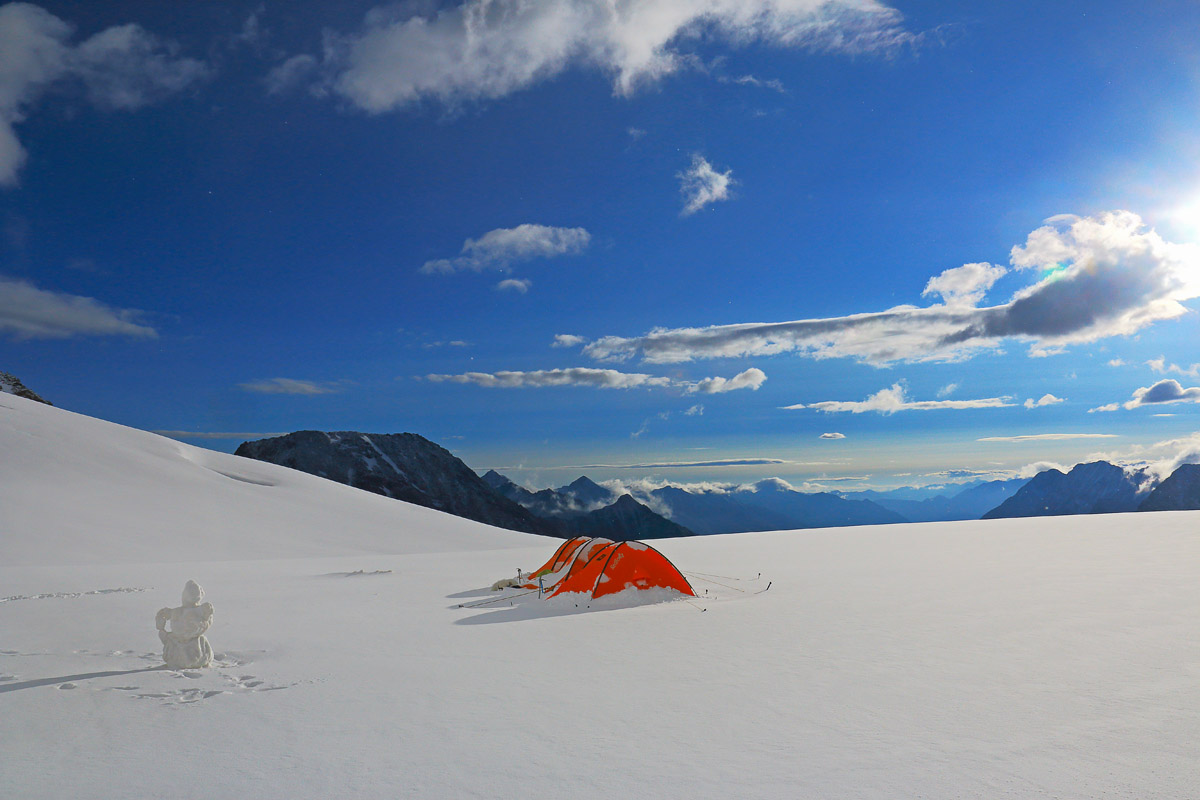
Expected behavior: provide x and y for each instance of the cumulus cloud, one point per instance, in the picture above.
(1105, 407)
(499, 248)
(1098, 277)
(750, 379)
(965, 285)
(520, 285)
(288, 386)
(567, 340)
(832, 435)
(27, 312)
(1160, 365)
(1044, 400)
(484, 49)
(601, 379)
(695, 411)
(894, 398)
(120, 68)
(1167, 390)
(701, 184)
(1047, 437)
(1116, 362)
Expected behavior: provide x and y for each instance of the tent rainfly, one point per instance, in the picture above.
(599, 567)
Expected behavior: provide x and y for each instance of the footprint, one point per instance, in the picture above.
(67, 686)
(7, 678)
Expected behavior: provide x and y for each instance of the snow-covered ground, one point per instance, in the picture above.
(1015, 658)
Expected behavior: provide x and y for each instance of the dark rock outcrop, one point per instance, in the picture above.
(1095, 488)
(403, 466)
(11, 384)
(1179, 492)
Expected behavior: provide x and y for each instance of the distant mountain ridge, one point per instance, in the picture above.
(955, 502)
(1095, 488)
(585, 508)
(403, 466)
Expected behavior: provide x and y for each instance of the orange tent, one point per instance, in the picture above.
(617, 566)
(566, 560)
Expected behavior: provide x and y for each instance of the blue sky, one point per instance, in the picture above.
(567, 238)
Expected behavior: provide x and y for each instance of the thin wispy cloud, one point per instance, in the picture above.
(575, 376)
(289, 386)
(895, 399)
(485, 49)
(702, 185)
(832, 435)
(601, 379)
(27, 312)
(1099, 277)
(731, 462)
(1047, 437)
(499, 249)
(121, 68)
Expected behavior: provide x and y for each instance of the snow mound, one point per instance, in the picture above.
(77, 490)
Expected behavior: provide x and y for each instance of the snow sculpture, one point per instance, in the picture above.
(184, 645)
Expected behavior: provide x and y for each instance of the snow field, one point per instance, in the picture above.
(1015, 658)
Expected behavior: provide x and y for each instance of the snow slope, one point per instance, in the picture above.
(1015, 658)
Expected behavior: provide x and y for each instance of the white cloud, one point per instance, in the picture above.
(601, 379)
(1160, 365)
(701, 185)
(833, 435)
(965, 285)
(1044, 400)
(27, 312)
(947, 390)
(893, 399)
(1106, 407)
(568, 340)
(577, 376)
(485, 49)
(1167, 390)
(120, 68)
(520, 285)
(499, 248)
(1116, 362)
(1047, 437)
(288, 386)
(695, 411)
(1100, 277)
(752, 379)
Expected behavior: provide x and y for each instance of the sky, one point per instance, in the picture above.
(850, 244)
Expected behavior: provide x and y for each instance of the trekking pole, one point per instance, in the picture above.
(541, 588)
